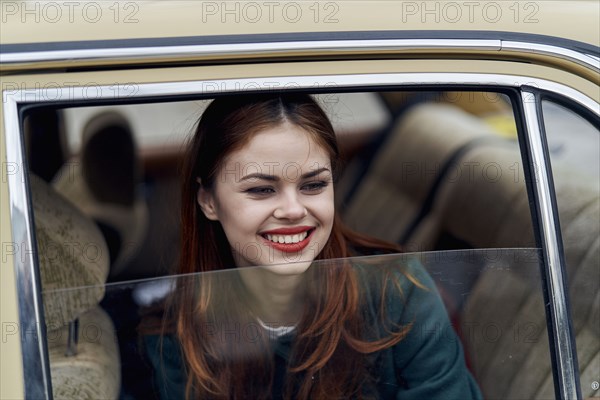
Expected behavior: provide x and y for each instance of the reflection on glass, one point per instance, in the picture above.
(574, 146)
(418, 314)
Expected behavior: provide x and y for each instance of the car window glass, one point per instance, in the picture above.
(574, 147)
(505, 349)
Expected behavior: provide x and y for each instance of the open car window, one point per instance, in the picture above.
(439, 173)
(445, 168)
(169, 124)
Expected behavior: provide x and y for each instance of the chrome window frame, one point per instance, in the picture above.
(36, 369)
(561, 337)
(308, 47)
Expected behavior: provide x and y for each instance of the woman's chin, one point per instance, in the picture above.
(288, 268)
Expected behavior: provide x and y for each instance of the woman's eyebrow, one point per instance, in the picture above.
(257, 176)
(273, 178)
(314, 173)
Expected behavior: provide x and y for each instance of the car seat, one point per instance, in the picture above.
(430, 172)
(74, 264)
(104, 182)
(518, 365)
(443, 172)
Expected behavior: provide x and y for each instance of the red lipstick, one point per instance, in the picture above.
(287, 231)
(289, 247)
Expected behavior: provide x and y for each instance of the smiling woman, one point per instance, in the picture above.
(264, 214)
(258, 191)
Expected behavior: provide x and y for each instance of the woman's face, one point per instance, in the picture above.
(274, 199)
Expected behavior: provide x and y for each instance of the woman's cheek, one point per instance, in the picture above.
(325, 209)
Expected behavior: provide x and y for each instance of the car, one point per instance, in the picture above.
(469, 134)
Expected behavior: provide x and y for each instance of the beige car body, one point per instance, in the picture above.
(26, 23)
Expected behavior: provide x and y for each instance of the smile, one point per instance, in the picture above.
(289, 240)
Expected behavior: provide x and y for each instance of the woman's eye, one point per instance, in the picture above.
(315, 186)
(260, 191)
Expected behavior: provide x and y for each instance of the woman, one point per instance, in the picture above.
(258, 191)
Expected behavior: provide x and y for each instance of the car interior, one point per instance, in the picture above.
(432, 171)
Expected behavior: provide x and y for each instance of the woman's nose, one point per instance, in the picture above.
(290, 207)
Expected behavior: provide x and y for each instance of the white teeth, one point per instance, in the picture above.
(287, 238)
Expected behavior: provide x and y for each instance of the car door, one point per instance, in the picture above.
(564, 75)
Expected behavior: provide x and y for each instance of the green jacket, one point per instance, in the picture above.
(427, 364)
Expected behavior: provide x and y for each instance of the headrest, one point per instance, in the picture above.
(72, 253)
(109, 161)
(103, 183)
(422, 142)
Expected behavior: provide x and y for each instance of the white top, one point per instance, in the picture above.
(276, 332)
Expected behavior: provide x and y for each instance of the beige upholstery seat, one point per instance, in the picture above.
(74, 265)
(439, 151)
(473, 183)
(519, 366)
(103, 181)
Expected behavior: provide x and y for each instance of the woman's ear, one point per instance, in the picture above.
(207, 203)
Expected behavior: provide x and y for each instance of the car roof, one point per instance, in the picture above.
(55, 22)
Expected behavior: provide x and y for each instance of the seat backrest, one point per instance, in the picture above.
(433, 175)
(74, 264)
(105, 185)
(444, 171)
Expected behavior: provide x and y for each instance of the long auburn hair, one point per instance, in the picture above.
(328, 358)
